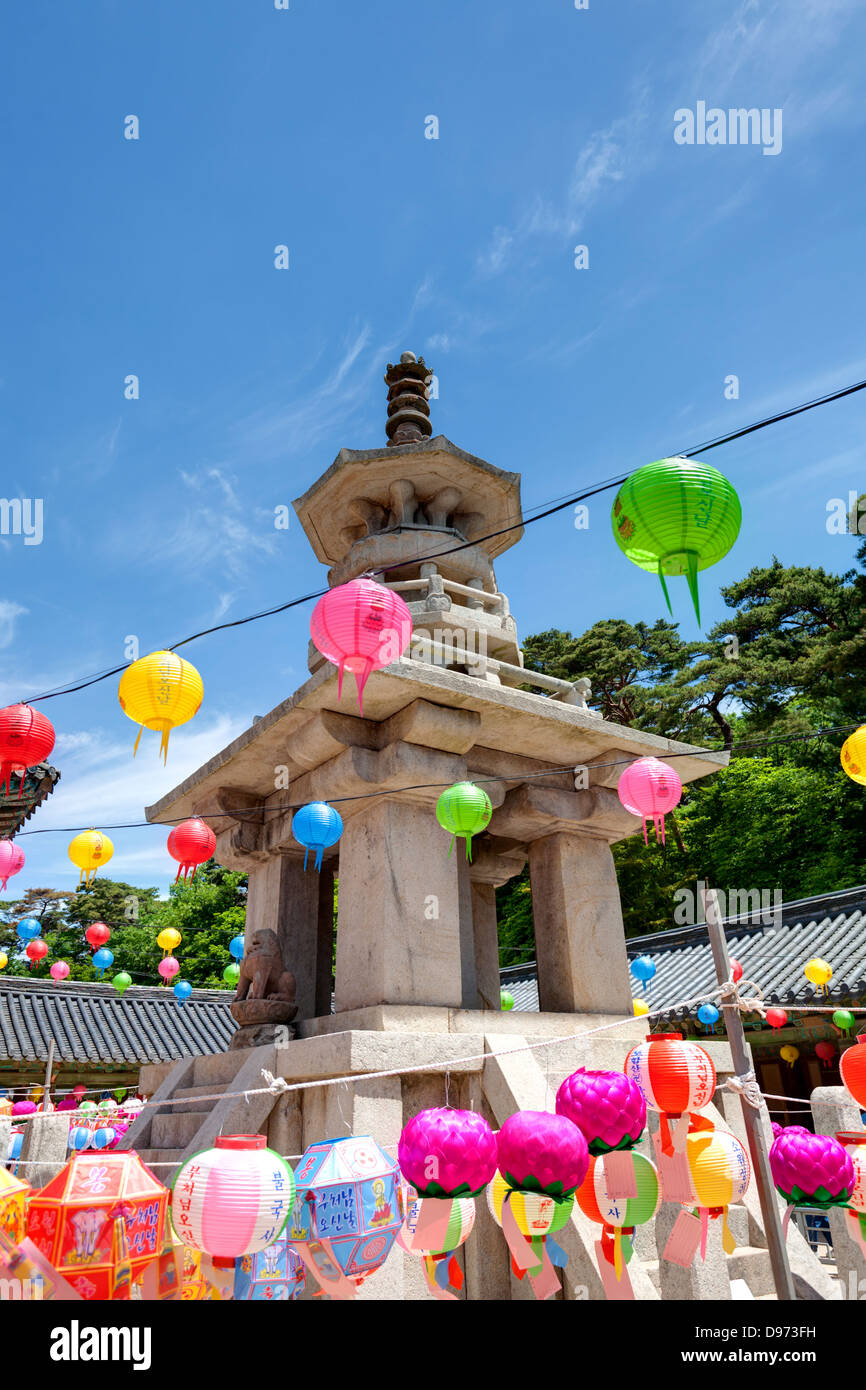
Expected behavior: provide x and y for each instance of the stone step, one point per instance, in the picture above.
(747, 1262)
(217, 1070)
(176, 1128)
(214, 1089)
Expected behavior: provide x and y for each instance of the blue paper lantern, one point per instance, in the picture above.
(28, 929)
(102, 959)
(103, 1136)
(643, 969)
(317, 826)
(182, 990)
(16, 1144)
(273, 1275)
(347, 1207)
(236, 946)
(79, 1138)
(709, 1016)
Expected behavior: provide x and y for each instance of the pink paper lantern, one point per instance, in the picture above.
(650, 788)
(607, 1107)
(59, 971)
(539, 1152)
(233, 1199)
(360, 627)
(11, 861)
(447, 1153)
(24, 1107)
(168, 968)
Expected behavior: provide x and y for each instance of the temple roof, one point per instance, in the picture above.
(17, 806)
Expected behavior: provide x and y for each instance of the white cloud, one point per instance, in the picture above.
(9, 613)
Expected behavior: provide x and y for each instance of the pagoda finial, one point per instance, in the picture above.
(408, 383)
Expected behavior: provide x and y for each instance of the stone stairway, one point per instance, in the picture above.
(166, 1135)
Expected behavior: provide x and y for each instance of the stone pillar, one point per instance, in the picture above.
(401, 935)
(486, 943)
(284, 897)
(579, 936)
(325, 942)
(44, 1151)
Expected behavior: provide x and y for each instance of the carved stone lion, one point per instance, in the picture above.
(264, 976)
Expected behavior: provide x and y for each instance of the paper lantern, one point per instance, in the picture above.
(844, 1021)
(59, 971)
(168, 939)
(709, 1016)
(643, 969)
(639, 1007)
(233, 1199)
(160, 691)
(36, 951)
(607, 1107)
(777, 1018)
(530, 1222)
(26, 738)
(650, 789)
(674, 1077)
(107, 1107)
(24, 1107)
(811, 1170)
(720, 1171)
(617, 1215)
(11, 861)
(447, 1153)
(121, 982)
(736, 970)
(100, 1222)
(273, 1275)
(433, 1228)
(789, 1053)
(855, 1146)
(15, 1196)
(89, 851)
(852, 1065)
(676, 516)
(346, 1216)
(360, 627)
(168, 967)
(818, 973)
(853, 755)
(236, 946)
(464, 810)
(4, 960)
(103, 1137)
(103, 960)
(182, 990)
(191, 843)
(826, 1051)
(540, 1152)
(79, 1138)
(97, 934)
(232, 974)
(316, 826)
(506, 1000)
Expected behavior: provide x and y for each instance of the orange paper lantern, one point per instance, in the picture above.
(852, 1065)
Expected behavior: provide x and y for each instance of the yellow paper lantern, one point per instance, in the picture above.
(640, 1006)
(818, 972)
(853, 755)
(160, 691)
(4, 960)
(168, 939)
(720, 1171)
(89, 851)
(790, 1053)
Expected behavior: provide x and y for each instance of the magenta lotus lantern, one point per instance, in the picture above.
(11, 861)
(539, 1152)
(811, 1170)
(447, 1153)
(606, 1106)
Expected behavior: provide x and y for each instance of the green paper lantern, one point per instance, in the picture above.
(464, 810)
(844, 1021)
(676, 516)
(232, 974)
(506, 999)
(121, 981)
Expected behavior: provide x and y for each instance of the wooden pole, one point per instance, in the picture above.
(46, 1099)
(782, 1278)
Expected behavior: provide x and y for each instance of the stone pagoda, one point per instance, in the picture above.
(416, 982)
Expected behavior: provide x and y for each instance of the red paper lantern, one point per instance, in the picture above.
(26, 738)
(826, 1051)
(37, 950)
(97, 934)
(852, 1065)
(674, 1077)
(191, 843)
(736, 970)
(777, 1018)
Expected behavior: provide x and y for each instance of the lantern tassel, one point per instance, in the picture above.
(137, 741)
(705, 1229)
(692, 577)
(729, 1245)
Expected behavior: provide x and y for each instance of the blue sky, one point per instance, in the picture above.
(306, 127)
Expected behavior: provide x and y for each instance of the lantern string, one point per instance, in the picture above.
(746, 1087)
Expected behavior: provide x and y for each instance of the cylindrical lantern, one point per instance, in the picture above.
(232, 974)
(89, 851)
(191, 843)
(720, 1170)
(160, 691)
(777, 1018)
(121, 981)
(643, 968)
(447, 1153)
(233, 1199)
(11, 861)
(826, 1051)
(853, 755)
(852, 1065)
(59, 971)
(464, 810)
(36, 951)
(26, 738)
(674, 1077)
(676, 516)
(506, 1000)
(811, 1170)
(639, 1007)
(433, 1228)
(103, 960)
(97, 934)
(316, 826)
(532, 1219)
(650, 789)
(28, 929)
(818, 972)
(182, 989)
(168, 968)
(708, 1015)
(789, 1053)
(607, 1107)
(618, 1216)
(168, 940)
(844, 1021)
(855, 1145)
(360, 627)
